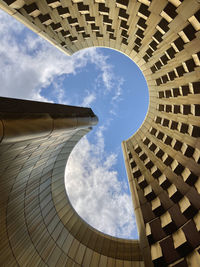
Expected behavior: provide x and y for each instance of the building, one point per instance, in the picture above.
(38, 225)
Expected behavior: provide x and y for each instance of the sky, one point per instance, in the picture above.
(103, 79)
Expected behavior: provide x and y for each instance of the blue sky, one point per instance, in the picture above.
(103, 79)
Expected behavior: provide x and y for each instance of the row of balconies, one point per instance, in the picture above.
(185, 128)
(192, 88)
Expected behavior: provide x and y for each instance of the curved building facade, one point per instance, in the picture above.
(39, 226)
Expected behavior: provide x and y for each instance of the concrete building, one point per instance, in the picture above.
(38, 225)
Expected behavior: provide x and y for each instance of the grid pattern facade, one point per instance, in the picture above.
(163, 156)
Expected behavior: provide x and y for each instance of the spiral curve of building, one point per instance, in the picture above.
(39, 227)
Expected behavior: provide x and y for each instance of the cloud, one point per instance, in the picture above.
(88, 99)
(34, 64)
(95, 190)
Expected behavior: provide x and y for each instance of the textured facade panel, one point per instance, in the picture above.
(162, 157)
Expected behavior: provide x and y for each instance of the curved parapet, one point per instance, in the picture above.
(163, 156)
(39, 227)
(24, 120)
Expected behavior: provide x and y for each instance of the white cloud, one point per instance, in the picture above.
(95, 190)
(118, 91)
(34, 64)
(88, 99)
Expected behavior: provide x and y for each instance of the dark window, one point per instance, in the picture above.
(179, 43)
(160, 153)
(146, 141)
(178, 145)
(168, 140)
(185, 90)
(149, 165)
(133, 164)
(138, 150)
(176, 92)
(168, 161)
(153, 131)
(160, 135)
(189, 32)
(179, 169)
(170, 9)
